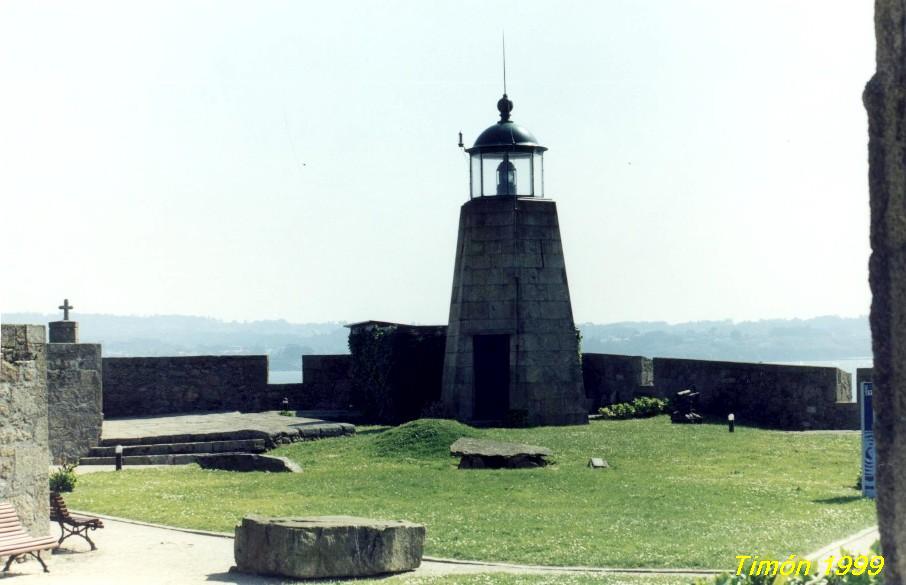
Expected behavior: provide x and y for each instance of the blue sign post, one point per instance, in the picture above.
(868, 442)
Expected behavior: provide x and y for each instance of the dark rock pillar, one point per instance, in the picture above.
(885, 100)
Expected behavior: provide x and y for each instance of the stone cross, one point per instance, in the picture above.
(66, 306)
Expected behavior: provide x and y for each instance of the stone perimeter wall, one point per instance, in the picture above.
(612, 378)
(326, 386)
(24, 450)
(779, 396)
(74, 395)
(327, 382)
(144, 386)
(790, 397)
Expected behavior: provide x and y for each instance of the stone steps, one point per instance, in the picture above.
(175, 459)
(184, 448)
(185, 438)
(228, 446)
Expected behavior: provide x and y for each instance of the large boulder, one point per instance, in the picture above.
(327, 546)
(484, 454)
(247, 462)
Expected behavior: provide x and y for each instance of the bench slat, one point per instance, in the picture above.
(10, 542)
(26, 539)
(14, 540)
(29, 547)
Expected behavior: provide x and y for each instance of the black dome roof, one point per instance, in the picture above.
(506, 134)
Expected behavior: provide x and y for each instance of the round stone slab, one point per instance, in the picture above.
(327, 546)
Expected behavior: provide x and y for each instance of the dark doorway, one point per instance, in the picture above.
(491, 364)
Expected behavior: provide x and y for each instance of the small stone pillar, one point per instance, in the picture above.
(64, 331)
(74, 391)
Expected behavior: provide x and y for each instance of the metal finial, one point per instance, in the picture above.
(504, 106)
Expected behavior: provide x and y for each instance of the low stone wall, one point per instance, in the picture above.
(611, 378)
(24, 450)
(847, 417)
(273, 396)
(326, 382)
(74, 399)
(787, 397)
(145, 386)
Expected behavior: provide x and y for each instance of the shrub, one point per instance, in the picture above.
(618, 411)
(645, 406)
(63, 479)
(641, 407)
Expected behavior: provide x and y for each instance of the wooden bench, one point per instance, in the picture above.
(72, 525)
(16, 542)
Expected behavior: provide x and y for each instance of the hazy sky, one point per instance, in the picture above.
(298, 160)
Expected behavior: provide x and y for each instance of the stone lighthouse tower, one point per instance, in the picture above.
(512, 354)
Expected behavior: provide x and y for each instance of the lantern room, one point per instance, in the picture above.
(506, 159)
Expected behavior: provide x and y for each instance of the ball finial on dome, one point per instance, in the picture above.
(504, 106)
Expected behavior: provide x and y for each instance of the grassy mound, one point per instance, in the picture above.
(422, 438)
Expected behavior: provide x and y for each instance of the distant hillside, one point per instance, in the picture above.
(160, 335)
(821, 338)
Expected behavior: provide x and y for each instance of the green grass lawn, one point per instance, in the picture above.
(675, 495)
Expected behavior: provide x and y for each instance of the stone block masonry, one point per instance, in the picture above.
(778, 396)
(64, 332)
(511, 351)
(74, 399)
(327, 382)
(611, 378)
(24, 449)
(146, 386)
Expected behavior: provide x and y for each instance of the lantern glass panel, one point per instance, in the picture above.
(522, 161)
(507, 173)
(489, 164)
(476, 175)
(538, 174)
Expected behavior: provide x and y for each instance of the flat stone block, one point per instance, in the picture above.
(327, 546)
(483, 454)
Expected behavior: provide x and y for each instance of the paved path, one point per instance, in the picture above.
(136, 553)
(856, 544)
(132, 553)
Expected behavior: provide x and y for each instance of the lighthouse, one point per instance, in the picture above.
(512, 349)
